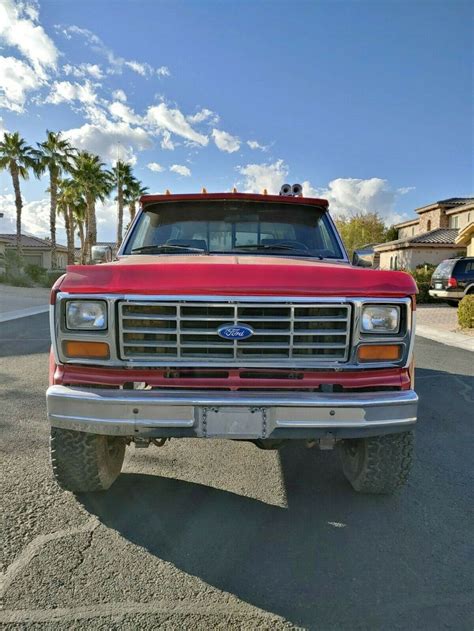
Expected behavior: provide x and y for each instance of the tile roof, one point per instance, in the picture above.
(28, 241)
(445, 236)
(456, 200)
(439, 236)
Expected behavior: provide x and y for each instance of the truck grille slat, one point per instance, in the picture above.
(167, 333)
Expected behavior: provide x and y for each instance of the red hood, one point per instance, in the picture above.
(234, 275)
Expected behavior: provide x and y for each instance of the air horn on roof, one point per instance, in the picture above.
(291, 191)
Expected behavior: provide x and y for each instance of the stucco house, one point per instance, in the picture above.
(433, 236)
(36, 251)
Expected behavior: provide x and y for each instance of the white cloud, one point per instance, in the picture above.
(181, 170)
(353, 195)
(260, 176)
(83, 70)
(34, 217)
(123, 112)
(204, 115)
(119, 95)
(225, 141)
(166, 142)
(172, 120)
(254, 144)
(110, 140)
(154, 166)
(16, 79)
(66, 92)
(19, 28)
(116, 63)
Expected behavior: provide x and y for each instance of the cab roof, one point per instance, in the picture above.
(253, 197)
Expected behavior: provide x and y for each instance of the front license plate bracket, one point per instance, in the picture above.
(232, 422)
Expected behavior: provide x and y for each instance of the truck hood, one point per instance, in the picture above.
(234, 275)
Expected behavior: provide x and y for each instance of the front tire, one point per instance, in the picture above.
(379, 464)
(85, 462)
(453, 303)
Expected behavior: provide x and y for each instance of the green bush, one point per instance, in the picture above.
(35, 272)
(466, 312)
(51, 277)
(422, 276)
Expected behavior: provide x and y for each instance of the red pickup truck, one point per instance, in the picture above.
(236, 316)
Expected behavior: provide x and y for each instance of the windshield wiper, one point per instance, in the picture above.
(164, 247)
(276, 246)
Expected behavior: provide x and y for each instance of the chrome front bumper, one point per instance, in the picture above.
(237, 415)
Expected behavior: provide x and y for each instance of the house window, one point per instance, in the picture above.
(391, 262)
(395, 263)
(413, 231)
(454, 222)
(428, 225)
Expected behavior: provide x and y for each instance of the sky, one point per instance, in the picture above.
(367, 103)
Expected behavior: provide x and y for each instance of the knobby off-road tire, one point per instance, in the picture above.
(85, 462)
(380, 464)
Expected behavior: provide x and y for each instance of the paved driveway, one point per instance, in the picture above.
(215, 534)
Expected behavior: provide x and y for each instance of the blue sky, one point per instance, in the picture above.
(368, 103)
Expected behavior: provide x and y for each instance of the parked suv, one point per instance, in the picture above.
(453, 279)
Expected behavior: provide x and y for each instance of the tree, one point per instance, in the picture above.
(95, 183)
(71, 206)
(133, 191)
(54, 155)
(361, 229)
(18, 158)
(122, 177)
(391, 234)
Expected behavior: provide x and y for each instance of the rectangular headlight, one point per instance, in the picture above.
(86, 315)
(380, 319)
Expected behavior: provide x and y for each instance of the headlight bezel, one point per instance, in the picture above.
(85, 328)
(382, 332)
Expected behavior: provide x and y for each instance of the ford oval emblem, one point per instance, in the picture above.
(235, 331)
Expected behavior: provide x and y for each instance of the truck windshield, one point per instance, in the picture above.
(234, 227)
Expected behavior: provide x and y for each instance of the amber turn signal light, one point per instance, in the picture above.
(379, 352)
(86, 350)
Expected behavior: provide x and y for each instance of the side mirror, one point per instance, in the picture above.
(101, 254)
(362, 258)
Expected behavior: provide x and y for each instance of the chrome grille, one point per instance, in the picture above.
(172, 333)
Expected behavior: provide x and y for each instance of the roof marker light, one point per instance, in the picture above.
(234, 190)
(167, 192)
(204, 191)
(265, 192)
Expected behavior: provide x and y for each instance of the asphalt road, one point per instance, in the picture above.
(215, 534)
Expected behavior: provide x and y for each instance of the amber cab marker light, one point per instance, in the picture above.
(86, 350)
(379, 352)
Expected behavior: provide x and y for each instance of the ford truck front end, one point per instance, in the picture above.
(232, 316)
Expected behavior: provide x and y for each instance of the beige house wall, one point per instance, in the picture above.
(432, 219)
(410, 258)
(407, 232)
(43, 257)
(461, 220)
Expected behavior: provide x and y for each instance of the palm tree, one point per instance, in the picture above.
(95, 183)
(18, 158)
(133, 191)
(122, 174)
(55, 155)
(69, 201)
(79, 212)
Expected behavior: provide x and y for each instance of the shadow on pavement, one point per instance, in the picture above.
(25, 336)
(330, 559)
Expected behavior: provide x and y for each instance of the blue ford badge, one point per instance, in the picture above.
(235, 331)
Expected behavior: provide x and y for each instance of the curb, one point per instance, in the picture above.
(23, 313)
(446, 337)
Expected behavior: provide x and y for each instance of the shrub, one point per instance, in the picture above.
(466, 312)
(50, 277)
(35, 272)
(422, 276)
